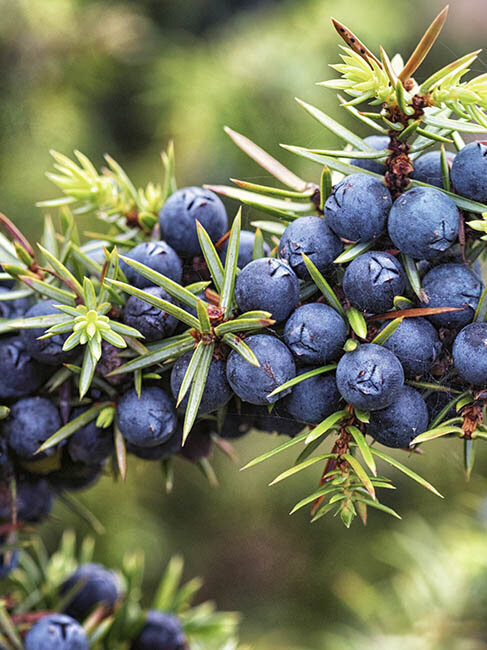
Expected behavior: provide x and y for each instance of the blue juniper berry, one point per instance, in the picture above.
(31, 421)
(315, 333)
(183, 209)
(371, 377)
(34, 500)
(357, 208)
(452, 285)
(94, 586)
(378, 142)
(270, 285)
(91, 444)
(153, 323)
(313, 237)
(163, 450)
(313, 399)
(20, 374)
(469, 171)
(253, 384)
(158, 256)
(470, 354)
(423, 223)
(277, 421)
(416, 344)
(217, 391)
(372, 280)
(399, 423)
(56, 632)
(149, 420)
(161, 631)
(427, 168)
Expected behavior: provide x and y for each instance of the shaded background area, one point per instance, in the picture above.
(106, 76)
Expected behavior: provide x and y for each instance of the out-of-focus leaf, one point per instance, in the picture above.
(8, 628)
(169, 585)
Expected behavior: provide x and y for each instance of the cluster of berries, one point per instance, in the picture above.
(147, 419)
(94, 586)
(363, 314)
(306, 334)
(64, 601)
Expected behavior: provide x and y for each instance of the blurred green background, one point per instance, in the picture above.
(108, 76)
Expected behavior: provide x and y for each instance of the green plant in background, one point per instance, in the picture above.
(35, 589)
(433, 595)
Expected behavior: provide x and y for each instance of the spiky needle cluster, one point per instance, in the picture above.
(35, 589)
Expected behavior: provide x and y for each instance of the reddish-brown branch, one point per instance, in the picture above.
(339, 448)
(398, 164)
